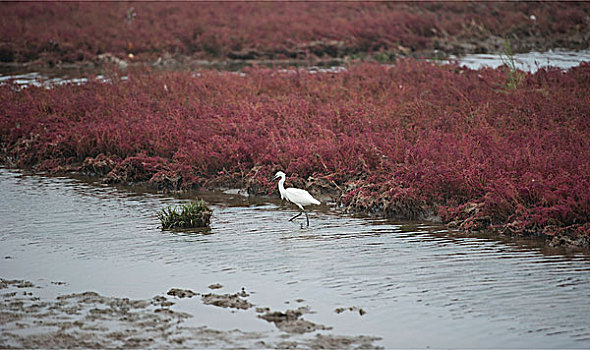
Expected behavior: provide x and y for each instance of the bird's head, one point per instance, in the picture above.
(278, 174)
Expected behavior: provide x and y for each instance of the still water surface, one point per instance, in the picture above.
(529, 61)
(419, 284)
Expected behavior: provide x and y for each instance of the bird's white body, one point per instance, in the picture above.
(301, 198)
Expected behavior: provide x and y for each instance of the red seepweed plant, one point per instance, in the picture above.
(406, 141)
(70, 32)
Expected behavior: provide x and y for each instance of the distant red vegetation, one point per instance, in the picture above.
(406, 141)
(80, 31)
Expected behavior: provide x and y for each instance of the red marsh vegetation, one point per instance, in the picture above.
(70, 32)
(409, 141)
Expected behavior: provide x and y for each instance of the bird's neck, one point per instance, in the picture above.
(282, 186)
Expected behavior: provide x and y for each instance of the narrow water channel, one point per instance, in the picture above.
(419, 284)
(528, 62)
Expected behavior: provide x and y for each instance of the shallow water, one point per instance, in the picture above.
(529, 61)
(47, 79)
(419, 284)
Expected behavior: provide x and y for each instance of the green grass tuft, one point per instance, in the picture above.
(515, 77)
(191, 215)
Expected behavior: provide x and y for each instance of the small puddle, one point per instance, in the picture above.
(417, 284)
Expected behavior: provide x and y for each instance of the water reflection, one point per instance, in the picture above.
(419, 283)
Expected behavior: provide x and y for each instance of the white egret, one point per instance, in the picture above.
(299, 197)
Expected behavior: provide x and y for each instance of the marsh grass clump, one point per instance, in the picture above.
(515, 76)
(190, 215)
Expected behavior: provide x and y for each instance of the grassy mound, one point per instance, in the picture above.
(191, 215)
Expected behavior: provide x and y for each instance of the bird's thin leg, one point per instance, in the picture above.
(296, 216)
(307, 217)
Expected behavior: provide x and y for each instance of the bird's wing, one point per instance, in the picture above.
(299, 196)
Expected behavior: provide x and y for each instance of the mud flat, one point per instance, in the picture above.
(91, 320)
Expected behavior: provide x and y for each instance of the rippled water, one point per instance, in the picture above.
(419, 284)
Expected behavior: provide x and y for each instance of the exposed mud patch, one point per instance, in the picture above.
(232, 301)
(87, 320)
(182, 293)
(91, 320)
(351, 308)
(16, 283)
(290, 321)
(215, 286)
(322, 341)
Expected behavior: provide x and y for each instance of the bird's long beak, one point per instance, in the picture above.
(276, 177)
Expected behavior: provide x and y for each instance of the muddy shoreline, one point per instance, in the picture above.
(444, 48)
(331, 195)
(329, 192)
(88, 319)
